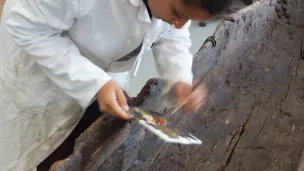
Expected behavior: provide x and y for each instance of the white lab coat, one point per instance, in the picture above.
(56, 54)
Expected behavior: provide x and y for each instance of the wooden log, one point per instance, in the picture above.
(95, 145)
(100, 142)
(254, 117)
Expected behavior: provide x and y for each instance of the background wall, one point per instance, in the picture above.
(147, 68)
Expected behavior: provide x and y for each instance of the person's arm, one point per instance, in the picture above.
(172, 56)
(37, 26)
(174, 64)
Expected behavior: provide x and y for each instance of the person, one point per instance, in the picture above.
(59, 56)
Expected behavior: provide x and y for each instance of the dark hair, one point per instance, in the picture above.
(214, 7)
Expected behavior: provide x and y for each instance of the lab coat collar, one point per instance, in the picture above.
(143, 13)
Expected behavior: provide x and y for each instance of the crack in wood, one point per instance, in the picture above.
(240, 133)
(230, 142)
(262, 127)
(300, 58)
(270, 94)
(148, 162)
(157, 154)
(265, 148)
(286, 95)
(290, 82)
(273, 54)
(302, 50)
(207, 158)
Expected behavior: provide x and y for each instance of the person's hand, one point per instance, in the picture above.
(112, 100)
(193, 98)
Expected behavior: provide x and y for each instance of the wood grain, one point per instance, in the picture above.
(254, 117)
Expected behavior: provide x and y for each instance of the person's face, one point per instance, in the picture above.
(176, 12)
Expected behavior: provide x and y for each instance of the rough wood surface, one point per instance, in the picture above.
(95, 145)
(254, 117)
(100, 142)
(127, 153)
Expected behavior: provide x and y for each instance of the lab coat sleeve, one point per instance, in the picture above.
(172, 56)
(38, 27)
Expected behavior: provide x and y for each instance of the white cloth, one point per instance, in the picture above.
(54, 57)
(122, 79)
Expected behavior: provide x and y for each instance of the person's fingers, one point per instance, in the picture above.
(182, 91)
(194, 104)
(178, 94)
(111, 99)
(196, 99)
(116, 110)
(103, 107)
(122, 100)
